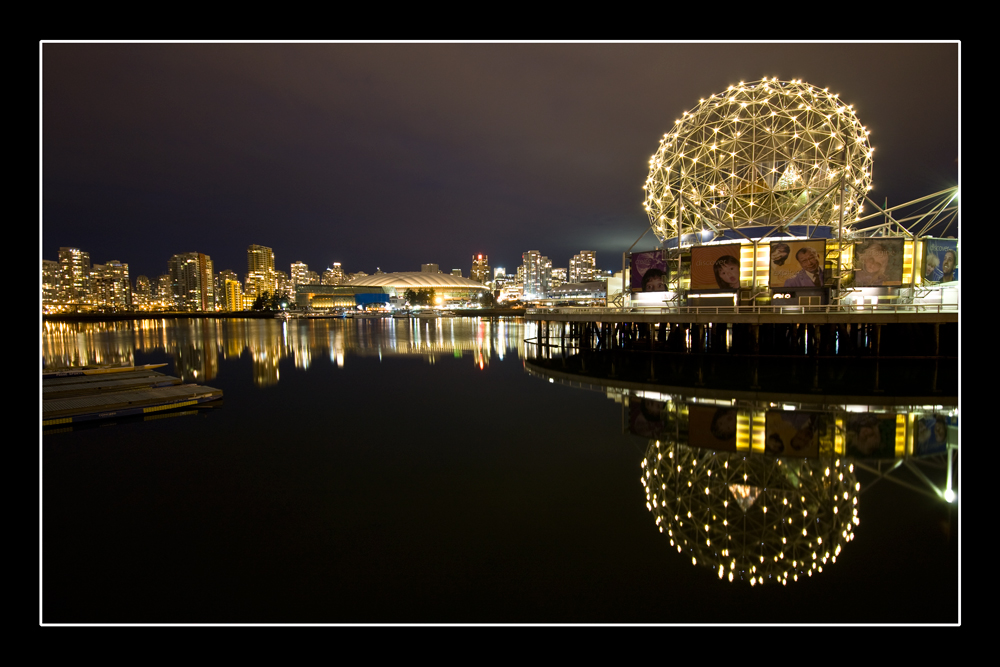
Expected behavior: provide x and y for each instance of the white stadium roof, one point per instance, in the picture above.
(416, 280)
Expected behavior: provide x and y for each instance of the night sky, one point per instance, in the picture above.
(394, 155)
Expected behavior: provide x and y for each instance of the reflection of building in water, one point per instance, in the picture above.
(763, 488)
(67, 344)
(753, 518)
(197, 343)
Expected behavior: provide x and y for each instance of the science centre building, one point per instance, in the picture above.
(758, 196)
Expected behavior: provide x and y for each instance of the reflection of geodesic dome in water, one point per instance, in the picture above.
(749, 516)
(758, 154)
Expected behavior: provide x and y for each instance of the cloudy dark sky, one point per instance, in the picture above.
(394, 155)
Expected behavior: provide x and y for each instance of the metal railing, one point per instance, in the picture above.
(879, 309)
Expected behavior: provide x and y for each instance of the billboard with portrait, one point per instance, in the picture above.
(646, 417)
(940, 260)
(931, 435)
(715, 267)
(797, 264)
(649, 272)
(795, 432)
(712, 427)
(878, 262)
(871, 435)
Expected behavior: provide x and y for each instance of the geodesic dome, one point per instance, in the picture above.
(765, 153)
(752, 518)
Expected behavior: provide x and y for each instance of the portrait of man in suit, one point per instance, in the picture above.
(811, 274)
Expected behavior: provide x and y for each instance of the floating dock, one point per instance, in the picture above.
(70, 397)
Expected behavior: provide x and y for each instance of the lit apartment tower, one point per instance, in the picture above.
(74, 283)
(260, 270)
(164, 299)
(558, 278)
(192, 281)
(222, 292)
(142, 296)
(334, 275)
(299, 271)
(283, 284)
(50, 284)
(480, 269)
(110, 286)
(583, 267)
(537, 274)
(234, 295)
(312, 278)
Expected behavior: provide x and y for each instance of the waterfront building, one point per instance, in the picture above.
(260, 271)
(583, 267)
(192, 282)
(299, 271)
(223, 294)
(50, 285)
(448, 291)
(234, 295)
(537, 274)
(111, 288)
(480, 268)
(282, 283)
(784, 222)
(511, 292)
(164, 295)
(74, 279)
(334, 275)
(311, 278)
(558, 278)
(142, 295)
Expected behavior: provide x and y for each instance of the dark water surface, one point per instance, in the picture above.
(417, 472)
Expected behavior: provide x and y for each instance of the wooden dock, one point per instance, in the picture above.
(69, 398)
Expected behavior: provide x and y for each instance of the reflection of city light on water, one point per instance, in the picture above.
(751, 517)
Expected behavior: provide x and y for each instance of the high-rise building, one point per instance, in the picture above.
(260, 271)
(430, 268)
(142, 296)
(283, 284)
(234, 295)
(192, 281)
(480, 269)
(537, 274)
(299, 271)
(74, 281)
(334, 275)
(164, 293)
(222, 279)
(558, 277)
(50, 284)
(111, 287)
(583, 267)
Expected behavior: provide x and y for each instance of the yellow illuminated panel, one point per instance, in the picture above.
(838, 437)
(901, 435)
(907, 262)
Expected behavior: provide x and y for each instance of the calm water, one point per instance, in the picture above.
(446, 472)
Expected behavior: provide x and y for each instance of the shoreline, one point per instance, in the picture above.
(247, 314)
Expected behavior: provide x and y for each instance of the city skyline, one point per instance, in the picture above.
(394, 155)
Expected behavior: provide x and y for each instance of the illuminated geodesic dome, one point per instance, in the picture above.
(765, 153)
(751, 517)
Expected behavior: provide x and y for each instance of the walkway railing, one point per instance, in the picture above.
(874, 309)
